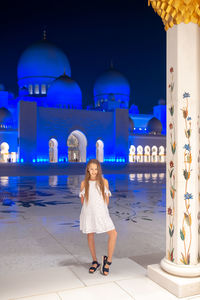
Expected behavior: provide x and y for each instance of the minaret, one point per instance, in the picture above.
(181, 19)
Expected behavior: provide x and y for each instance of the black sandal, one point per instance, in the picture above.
(105, 262)
(93, 269)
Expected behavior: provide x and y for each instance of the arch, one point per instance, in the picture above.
(77, 144)
(30, 89)
(53, 150)
(147, 154)
(154, 155)
(161, 154)
(132, 153)
(43, 89)
(13, 157)
(140, 154)
(36, 89)
(4, 152)
(100, 150)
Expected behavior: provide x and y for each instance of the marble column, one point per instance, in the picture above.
(179, 270)
(182, 190)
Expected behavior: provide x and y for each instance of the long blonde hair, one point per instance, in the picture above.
(99, 179)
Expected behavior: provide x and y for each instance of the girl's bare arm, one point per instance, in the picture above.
(82, 187)
(107, 186)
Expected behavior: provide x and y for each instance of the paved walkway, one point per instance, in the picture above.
(44, 256)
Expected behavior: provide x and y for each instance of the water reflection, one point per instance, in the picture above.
(161, 175)
(139, 177)
(132, 177)
(53, 180)
(154, 177)
(147, 176)
(129, 190)
(4, 180)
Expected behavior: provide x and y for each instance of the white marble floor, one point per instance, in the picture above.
(44, 256)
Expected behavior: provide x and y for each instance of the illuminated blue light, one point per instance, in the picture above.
(34, 160)
(66, 92)
(36, 61)
(21, 160)
(112, 82)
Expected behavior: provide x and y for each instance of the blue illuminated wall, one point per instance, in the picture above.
(27, 131)
(58, 123)
(9, 136)
(121, 131)
(160, 113)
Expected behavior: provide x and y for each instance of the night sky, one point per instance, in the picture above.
(91, 33)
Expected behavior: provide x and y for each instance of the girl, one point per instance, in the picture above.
(94, 217)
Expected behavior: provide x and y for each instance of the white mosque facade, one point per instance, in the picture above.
(46, 122)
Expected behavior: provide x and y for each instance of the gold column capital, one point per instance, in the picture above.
(174, 12)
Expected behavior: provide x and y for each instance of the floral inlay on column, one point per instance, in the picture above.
(185, 231)
(171, 208)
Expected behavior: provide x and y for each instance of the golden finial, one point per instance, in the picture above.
(177, 11)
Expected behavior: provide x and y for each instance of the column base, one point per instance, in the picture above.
(180, 270)
(179, 286)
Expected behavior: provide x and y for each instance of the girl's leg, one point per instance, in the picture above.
(91, 244)
(112, 237)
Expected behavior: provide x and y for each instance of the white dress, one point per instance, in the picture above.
(94, 215)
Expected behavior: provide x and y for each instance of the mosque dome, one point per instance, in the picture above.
(43, 59)
(154, 126)
(64, 92)
(2, 87)
(5, 116)
(111, 82)
(111, 90)
(39, 65)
